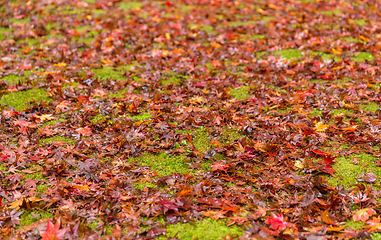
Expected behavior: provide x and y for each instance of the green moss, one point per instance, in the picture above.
(340, 111)
(289, 53)
(5, 33)
(200, 139)
(13, 79)
(326, 56)
(35, 176)
(22, 21)
(352, 39)
(141, 116)
(41, 188)
(229, 135)
(94, 225)
(370, 107)
(376, 236)
(24, 99)
(331, 12)
(316, 113)
(129, 5)
(277, 89)
(108, 72)
(27, 217)
(241, 23)
(52, 122)
(171, 80)
(162, 163)
(142, 185)
(59, 138)
(347, 172)
(102, 118)
(85, 40)
(260, 54)
(256, 36)
(204, 229)
(362, 57)
(355, 225)
(241, 93)
(361, 22)
(118, 94)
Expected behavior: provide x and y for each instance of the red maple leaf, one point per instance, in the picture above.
(86, 131)
(328, 169)
(328, 159)
(168, 205)
(53, 232)
(219, 167)
(320, 153)
(277, 222)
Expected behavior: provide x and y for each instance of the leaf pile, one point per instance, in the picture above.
(143, 115)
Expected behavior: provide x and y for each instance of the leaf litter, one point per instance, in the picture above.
(108, 100)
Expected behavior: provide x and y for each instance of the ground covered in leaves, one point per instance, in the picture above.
(190, 119)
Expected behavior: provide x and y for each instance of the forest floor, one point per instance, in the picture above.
(190, 119)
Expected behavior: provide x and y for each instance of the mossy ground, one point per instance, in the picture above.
(348, 171)
(166, 164)
(21, 100)
(241, 93)
(56, 138)
(289, 53)
(204, 230)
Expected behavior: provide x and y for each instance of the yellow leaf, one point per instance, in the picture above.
(61, 64)
(168, 36)
(44, 117)
(196, 100)
(326, 218)
(165, 53)
(320, 126)
(205, 90)
(261, 11)
(336, 229)
(82, 187)
(105, 61)
(336, 52)
(364, 38)
(215, 45)
(299, 164)
(19, 202)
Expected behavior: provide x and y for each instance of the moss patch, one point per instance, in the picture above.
(27, 217)
(129, 5)
(362, 57)
(361, 22)
(347, 172)
(371, 107)
(108, 72)
(289, 53)
(59, 138)
(171, 80)
(24, 99)
(241, 93)
(331, 12)
(5, 33)
(204, 229)
(355, 225)
(162, 163)
(141, 116)
(326, 56)
(53, 122)
(241, 23)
